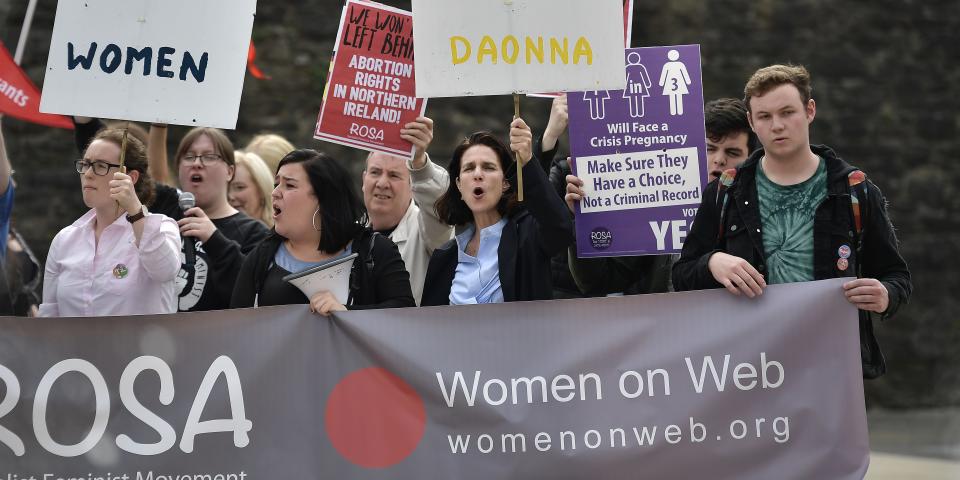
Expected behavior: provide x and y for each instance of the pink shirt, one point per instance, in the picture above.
(115, 277)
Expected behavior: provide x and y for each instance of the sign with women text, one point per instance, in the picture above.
(641, 154)
(371, 93)
(492, 47)
(682, 385)
(164, 61)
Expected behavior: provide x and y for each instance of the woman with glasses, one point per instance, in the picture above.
(118, 258)
(222, 235)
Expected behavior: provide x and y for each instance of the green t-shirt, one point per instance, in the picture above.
(786, 216)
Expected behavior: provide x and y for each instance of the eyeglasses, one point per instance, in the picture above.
(100, 168)
(205, 159)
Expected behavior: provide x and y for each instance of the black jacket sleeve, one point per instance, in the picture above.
(244, 291)
(388, 284)
(690, 272)
(554, 225)
(545, 158)
(227, 254)
(881, 252)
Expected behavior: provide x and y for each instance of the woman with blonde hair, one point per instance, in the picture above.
(271, 148)
(251, 187)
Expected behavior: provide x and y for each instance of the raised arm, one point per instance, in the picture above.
(157, 160)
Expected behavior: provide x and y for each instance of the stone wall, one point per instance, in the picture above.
(886, 82)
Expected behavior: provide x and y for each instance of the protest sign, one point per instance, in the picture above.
(640, 153)
(490, 47)
(370, 93)
(20, 98)
(163, 61)
(684, 385)
(627, 35)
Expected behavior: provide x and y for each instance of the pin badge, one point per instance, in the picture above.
(844, 251)
(842, 264)
(120, 271)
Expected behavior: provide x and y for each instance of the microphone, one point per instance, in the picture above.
(188, 201)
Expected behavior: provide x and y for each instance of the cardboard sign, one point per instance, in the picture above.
(641, 154)
(627, 35)
(492, 47)
(370, 93)
(163, 61)
(692, 385)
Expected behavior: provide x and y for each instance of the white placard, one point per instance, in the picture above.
(494, 47)
(165, 61)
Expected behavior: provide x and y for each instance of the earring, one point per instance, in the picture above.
(313, 220)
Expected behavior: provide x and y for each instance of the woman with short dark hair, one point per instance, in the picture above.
(319, 216)
(503, 250)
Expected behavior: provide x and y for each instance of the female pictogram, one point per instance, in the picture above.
(674, 80)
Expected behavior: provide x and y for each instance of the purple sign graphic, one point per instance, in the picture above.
(640, 153)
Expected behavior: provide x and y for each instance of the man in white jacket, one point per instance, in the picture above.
(400, 195)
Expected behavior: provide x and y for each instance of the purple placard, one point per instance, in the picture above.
(641, 154)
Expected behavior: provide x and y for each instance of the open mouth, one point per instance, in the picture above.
(276, 211)
(478, 192)
(715, 174)
(196, 178)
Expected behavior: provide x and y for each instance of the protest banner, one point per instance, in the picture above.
(684, 385)
(640, 153)
(490, 47)
(20, 98)
(370, 93)
(163, 61)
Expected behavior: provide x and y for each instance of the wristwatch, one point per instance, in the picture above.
(138, 216)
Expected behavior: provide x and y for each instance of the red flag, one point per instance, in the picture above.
(251, 66)
(20, 98)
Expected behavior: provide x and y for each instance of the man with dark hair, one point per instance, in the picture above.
(729, 141)
(796, 212)
(729, 137)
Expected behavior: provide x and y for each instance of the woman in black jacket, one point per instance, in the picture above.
(503, 250)
(318, 216)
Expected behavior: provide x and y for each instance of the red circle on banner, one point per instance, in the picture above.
(374, 419)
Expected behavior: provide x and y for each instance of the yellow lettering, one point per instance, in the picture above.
(487, 47)
(458, 59)
(512, 41)
(534, 49)
(582, 49)
(563, 51)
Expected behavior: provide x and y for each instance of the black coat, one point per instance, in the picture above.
(538, 230)
(832, 228)
(378, 278)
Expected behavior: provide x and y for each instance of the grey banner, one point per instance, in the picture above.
(683, 385)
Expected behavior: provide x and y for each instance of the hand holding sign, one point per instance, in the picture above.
(122, 192)
(574, 190)
(521, 140)
(420, 134)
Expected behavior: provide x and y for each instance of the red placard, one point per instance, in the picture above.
(370, 91)
(20, 98)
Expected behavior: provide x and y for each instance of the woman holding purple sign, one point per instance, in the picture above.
(503, 251)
